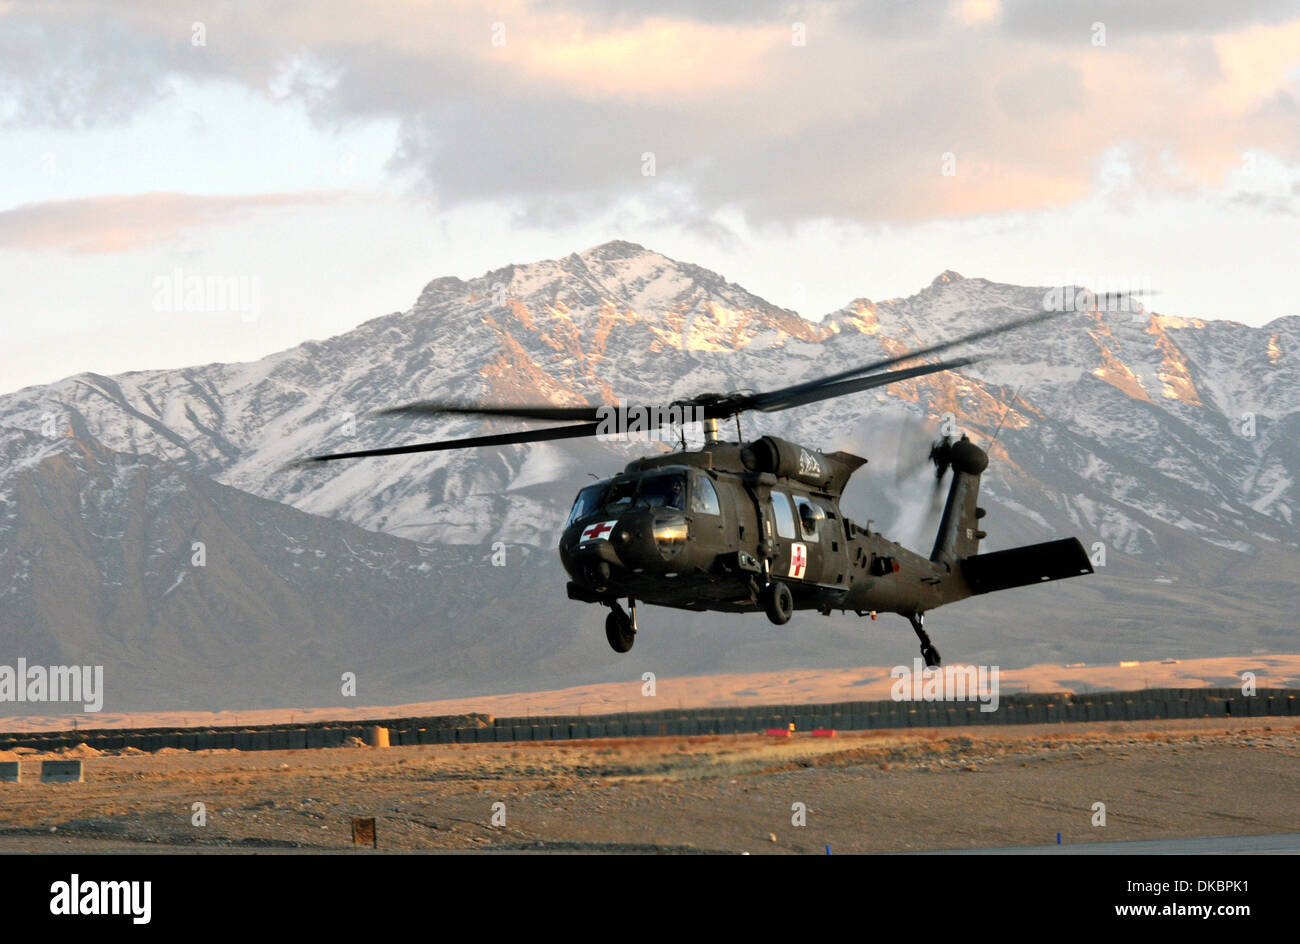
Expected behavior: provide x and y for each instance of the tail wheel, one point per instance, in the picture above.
(619, 630)
(778, 603)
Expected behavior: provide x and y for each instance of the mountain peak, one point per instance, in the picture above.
(946, 276)
(615, 249)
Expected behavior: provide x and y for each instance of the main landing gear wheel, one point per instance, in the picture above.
(928, 652)
(778, 603)
(620, 629)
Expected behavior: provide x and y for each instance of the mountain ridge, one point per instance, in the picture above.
(541, 347)
(1125, 429)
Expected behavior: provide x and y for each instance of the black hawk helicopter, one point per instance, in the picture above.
(742, 527)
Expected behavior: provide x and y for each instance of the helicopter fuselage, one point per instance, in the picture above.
(708, 529)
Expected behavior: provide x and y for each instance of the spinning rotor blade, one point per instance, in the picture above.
(721, 407)
(713, 406)
(791, 396)
(584, 414)
(920, 352)
(939, 455)
(912, 448)
(937, 497)
(499, 439)
(718, 409)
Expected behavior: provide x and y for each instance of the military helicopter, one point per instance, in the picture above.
(742, 527)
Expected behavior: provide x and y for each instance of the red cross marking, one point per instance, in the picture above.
(598, 530)
(798, 560)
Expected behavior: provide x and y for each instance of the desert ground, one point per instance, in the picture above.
(876, 791)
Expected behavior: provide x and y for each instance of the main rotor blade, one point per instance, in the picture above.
(497, 439)
(768, 403)
(920, 352)
(790, 397)
(584, 414)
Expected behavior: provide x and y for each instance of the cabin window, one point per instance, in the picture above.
(704, 497)
(810, 517)
(784, 519)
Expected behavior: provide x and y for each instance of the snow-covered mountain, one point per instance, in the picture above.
(1170, 443)
(1122, 419)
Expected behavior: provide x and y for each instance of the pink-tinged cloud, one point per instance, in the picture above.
(125, 222)
(844, 111)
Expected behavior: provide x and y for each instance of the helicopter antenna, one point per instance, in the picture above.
(1002, 419)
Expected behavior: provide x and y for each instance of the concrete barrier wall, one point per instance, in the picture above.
(1021, 708)
(1014, 709)
(61, 771)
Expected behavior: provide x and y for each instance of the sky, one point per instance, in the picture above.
(311, 165)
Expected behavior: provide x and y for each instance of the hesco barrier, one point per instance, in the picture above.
(1021, 708)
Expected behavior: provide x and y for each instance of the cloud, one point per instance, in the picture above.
(1266, 202)
(137, 221)
(632, 12)
(853, 126)
(81, 70)
(1071, 20)
(656, 60)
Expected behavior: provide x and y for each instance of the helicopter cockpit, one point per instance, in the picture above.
(666, 490)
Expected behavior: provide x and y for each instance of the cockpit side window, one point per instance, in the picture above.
(704, 497)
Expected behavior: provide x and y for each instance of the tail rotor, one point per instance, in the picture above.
(918, 447)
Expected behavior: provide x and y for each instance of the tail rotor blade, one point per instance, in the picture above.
(912, 448)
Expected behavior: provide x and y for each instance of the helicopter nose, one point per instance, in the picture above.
(596, 572)
(593, 562)
(634, 544)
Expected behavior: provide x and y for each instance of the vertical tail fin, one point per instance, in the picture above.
(959, 535)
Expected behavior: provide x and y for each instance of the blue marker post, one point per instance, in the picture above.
(1058, 839)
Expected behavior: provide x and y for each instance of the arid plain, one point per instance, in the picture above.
(877, 791)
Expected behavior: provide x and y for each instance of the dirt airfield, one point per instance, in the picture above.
(870, 791)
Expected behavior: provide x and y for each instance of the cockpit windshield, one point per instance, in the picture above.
(587, 502)
(620, 495)
(666, 490)
(663, 491)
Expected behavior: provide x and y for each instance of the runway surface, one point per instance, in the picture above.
(1276, 844)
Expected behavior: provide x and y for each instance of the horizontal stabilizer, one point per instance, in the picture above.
(1022, 566)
